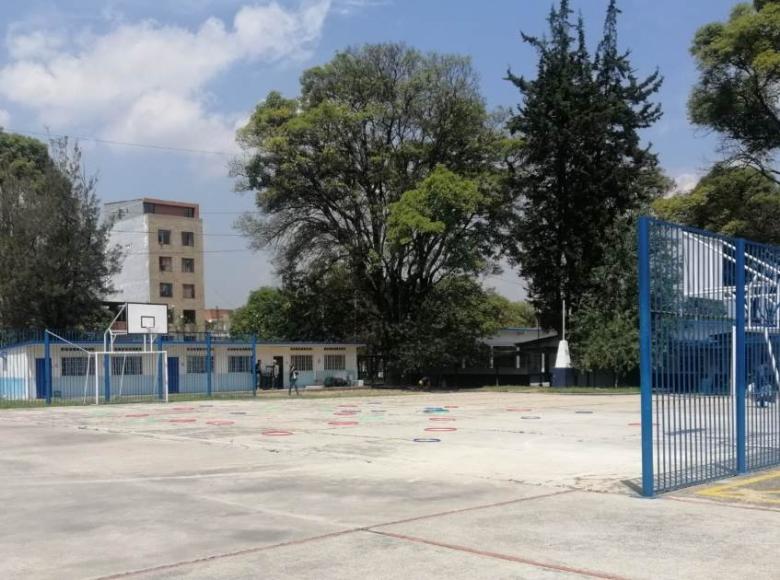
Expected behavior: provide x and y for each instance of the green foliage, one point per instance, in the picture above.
(513, 314)
(265, 314)
(584, 171)
(54, 251)
(735, 201)
(608, 340)
(739, 83)
(384, 174)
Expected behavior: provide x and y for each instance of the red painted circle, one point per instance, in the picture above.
(138, 415)
(276, 433)
(342, 423)
(441, 429)
(220, 422)
(451, 407)
(514, 410)
(181, 420)
(441, 419)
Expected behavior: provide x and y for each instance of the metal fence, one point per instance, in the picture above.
(710, 338)
(41, 367)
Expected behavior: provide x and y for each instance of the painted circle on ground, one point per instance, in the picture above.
(276, 433)
(516, 410)
(530, 417)
(343, 423)
(378, 411)
(442, 419)
(584, 412)
(346, 413)
(426, 440)
(375, 403)
(238, 413)
(220, 422)
(451, 407)
(205, 406)
(183, 408)
(181, 420)
(441, 429)
(347, 405)
(137, 415)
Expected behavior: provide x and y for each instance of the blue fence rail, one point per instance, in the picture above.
(710, 355)
(46, 366)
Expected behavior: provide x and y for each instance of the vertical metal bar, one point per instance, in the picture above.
(645, 343)
(208, 363)
(254, 364)
(740, 360)
(47, 366)
(161, 368)
(107, 377)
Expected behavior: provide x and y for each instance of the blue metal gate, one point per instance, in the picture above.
(710, 355)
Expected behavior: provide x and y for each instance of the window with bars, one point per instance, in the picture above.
(126, 365)
(187, 239)
(239, 364)
(166, 290)
(189, 290)
(76, 366)
(302, 362)
(164, 237)
(196, 364)
(335, 362)
(166, 264)
(188, 265)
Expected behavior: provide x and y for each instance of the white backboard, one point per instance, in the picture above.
(147, 318)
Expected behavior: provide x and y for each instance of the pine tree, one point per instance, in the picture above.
(585, 171)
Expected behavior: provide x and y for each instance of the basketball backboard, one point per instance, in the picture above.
(147, 318)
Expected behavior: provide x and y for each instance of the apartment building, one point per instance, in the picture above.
(162, 262)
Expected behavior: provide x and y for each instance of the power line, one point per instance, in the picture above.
(123, 143)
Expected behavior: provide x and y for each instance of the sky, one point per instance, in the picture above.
(155, 89)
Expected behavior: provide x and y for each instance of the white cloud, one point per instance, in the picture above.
(5, 118)
(146, 81)
(685, 182)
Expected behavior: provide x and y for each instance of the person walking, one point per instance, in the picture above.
(275, 377)
(293, 381)
(258, 375)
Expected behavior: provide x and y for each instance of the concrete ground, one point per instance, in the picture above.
(457, 485)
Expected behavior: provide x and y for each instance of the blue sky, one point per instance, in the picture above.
(186, 73)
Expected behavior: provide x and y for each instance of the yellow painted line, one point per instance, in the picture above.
(738, 489)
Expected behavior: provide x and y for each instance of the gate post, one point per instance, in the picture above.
(254, 364)
(107, 377)
(208, 363)
(645, 345)
(739, 366)
(160, 368)
(47, 366)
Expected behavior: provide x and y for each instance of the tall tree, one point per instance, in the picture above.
(738, 93)
(735, 201)
(54, 252)
(585, 172)
(387, 168)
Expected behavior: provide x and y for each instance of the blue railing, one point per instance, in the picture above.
(710, 355)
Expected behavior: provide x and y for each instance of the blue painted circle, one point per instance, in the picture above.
(427, 440)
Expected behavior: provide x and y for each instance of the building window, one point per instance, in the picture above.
(239, 364)
(171, 314)
(302, 362)
(188, 265)
(189, 290)
(76, 366)
(166, 290)
(166, 264)
(126, 365)
(196, 364)
(188, 316)
(187, 239)
(164, 237)
(335, 362)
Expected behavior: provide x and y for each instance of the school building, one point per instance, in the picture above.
(196, 363)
